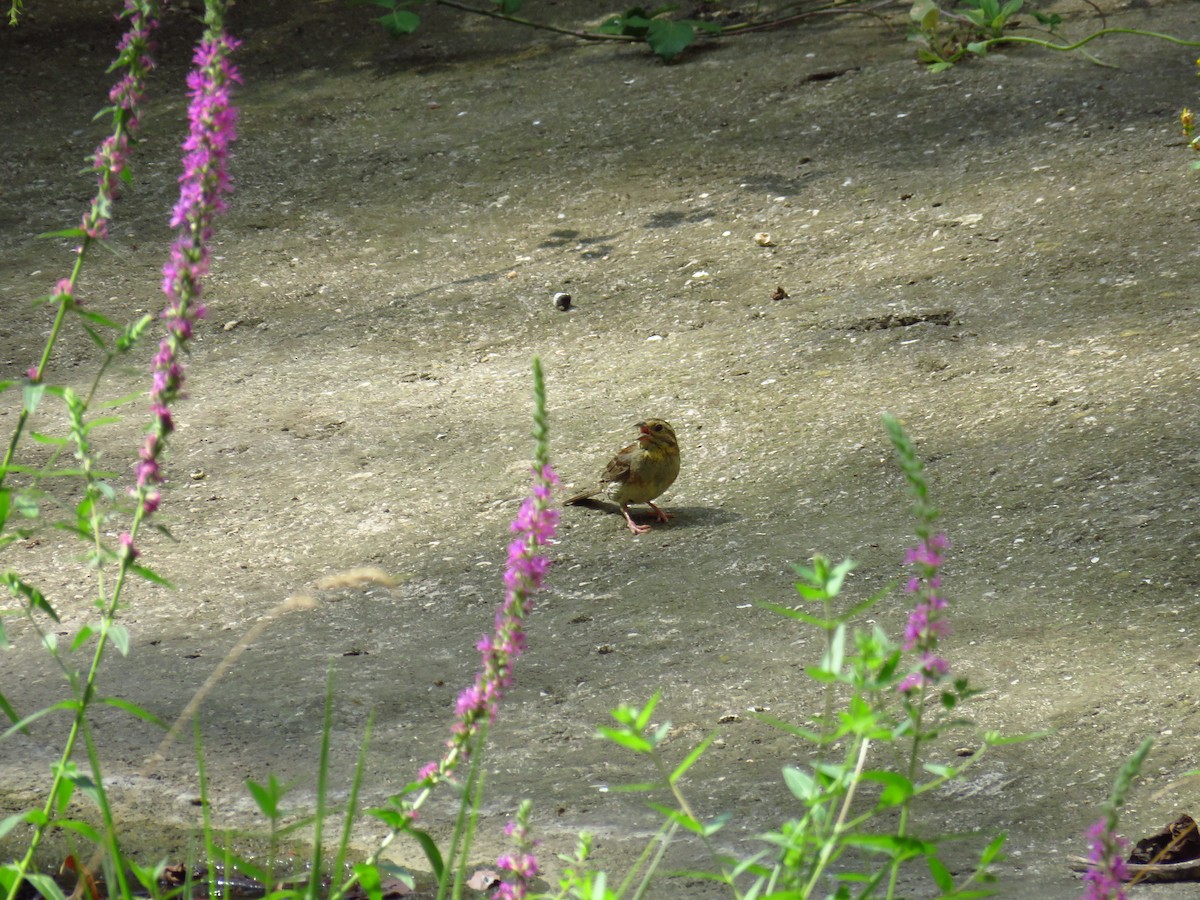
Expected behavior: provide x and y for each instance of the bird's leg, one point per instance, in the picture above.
(662, 516)
(634, 527)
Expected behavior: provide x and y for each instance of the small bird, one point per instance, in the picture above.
(640, 472)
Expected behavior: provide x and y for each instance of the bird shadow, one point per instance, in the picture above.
(681, 516)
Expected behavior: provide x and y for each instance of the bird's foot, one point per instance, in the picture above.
(662, 516)
(634, 527)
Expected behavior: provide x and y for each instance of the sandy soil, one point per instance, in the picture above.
(405, 213)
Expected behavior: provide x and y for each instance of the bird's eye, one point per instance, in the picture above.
(658, 428)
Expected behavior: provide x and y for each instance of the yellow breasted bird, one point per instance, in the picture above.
(640, 472)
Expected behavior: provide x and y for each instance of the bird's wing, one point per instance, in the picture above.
(618, 466)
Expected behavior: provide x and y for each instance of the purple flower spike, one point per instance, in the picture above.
(203, 185)
(524, 575)
(1107, 872)
(926, 623)
(520, 867)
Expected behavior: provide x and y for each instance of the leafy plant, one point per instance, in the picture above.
(938, 47)
(203, 184)
(989, 17)
(884, 700)
(944, 37)
(666, 37)
(399, 18)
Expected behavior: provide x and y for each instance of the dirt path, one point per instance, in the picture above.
(405, 213)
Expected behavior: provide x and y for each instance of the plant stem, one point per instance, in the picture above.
(1018, 39)
(541, 26)
(831, 840)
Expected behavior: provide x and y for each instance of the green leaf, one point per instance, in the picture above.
(691, 758)
(811, 592)
(368, 879)
(802, 785)
(9, 710)
(82, 637)
(134, 710)
(19, 587)
(65, 233)
(400, 22)
(121, 401)
(642, 787)
(799, 615)
(818, 674)
(119, 635)
(87, 787)
(925, 13)
(941, 875)
(296, 826)
(634, 23)
(267, 797)
(96, 337)
(940, 771)
(149, 876)
(69, 705)
(100, 423)
(789, 728)
(680, 818)
(834, 583)
(626, 739)
(49, 439)
(992, 852)
(835, 655)
(22, 725)
(861, 718)
(612, 25)
(896, 788)
(429, 845)
(96, 317)
(65, 788)
(150, 575)
(644, 715)
(133, 333)
(668, 39)
(8, 823)
(45, 885)
(898, 847)
(32, 396)
(716, 824)
(509, 7)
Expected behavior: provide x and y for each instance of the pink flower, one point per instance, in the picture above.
(203, 184)
(1107, 872)
(520, 866)
(128, 552)
(524, 574)
(926, 623)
